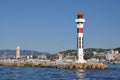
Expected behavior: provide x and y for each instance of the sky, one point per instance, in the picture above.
(49, 25)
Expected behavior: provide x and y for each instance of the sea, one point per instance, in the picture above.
(33, 73)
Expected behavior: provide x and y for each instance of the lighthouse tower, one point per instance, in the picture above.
(18, 52)
(80, 24)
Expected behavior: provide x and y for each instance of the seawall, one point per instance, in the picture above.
(53, 64)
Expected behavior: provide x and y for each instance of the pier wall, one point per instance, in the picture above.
(53, 64)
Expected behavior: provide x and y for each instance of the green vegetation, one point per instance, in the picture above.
(117, 49)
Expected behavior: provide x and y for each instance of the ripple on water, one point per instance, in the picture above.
(27, 73)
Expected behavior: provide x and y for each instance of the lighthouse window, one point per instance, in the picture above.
(81, 22)
(79, 42)
(78, 22)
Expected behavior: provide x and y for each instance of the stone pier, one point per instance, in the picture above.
(53, 64)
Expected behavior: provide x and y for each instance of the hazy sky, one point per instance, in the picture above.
(49, 25)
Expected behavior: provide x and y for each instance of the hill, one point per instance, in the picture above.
(23, 52)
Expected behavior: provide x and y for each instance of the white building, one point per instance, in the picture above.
(109, 56)
(42, 57)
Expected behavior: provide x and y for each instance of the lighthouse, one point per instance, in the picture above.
(80, 24)
(18, 52)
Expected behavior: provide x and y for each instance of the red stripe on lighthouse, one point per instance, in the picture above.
(79, 30)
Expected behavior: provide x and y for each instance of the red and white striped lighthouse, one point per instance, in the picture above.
(80, 23)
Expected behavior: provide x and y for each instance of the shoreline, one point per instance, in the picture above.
(52, 64)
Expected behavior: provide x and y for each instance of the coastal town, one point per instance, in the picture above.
(106, 56)
(91, 54)
(55, 61)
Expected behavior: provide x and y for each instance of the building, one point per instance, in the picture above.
(18, 52)
(109, 56)
(42, 57)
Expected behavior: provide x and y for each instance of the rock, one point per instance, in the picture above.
(88, 65)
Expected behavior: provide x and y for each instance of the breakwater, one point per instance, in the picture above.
(53, 64)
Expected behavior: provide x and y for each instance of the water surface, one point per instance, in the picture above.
(28, 73)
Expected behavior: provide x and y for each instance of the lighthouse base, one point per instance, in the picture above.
(80, 61)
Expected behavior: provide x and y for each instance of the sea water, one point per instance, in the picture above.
(28, 73)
